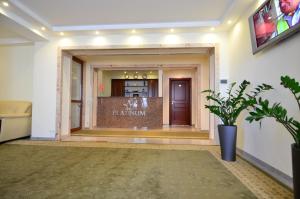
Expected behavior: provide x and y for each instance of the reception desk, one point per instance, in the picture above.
(129, 112)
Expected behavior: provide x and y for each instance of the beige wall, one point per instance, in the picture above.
(167, 75)
(200, 78)
(271, 143)
(16, 72)
(105, 77)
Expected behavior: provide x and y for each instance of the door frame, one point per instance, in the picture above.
(170, 98)
(75, 59)
(67, 51)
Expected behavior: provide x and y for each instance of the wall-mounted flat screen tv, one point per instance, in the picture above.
(274, 21)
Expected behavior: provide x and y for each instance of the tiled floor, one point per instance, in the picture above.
(258, 182)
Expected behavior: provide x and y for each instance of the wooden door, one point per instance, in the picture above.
(76, 94)
(117, 87)
(180, 102)
(153, 87)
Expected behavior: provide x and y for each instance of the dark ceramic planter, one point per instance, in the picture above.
(296, 170)
(227, 136)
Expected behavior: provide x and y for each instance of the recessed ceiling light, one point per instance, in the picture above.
(62, 33)
(5, 3)
(229, 22)
(172, 30)
(97, 32)
(43, 28)
(125, 72)
(133, 31)
(212, 29)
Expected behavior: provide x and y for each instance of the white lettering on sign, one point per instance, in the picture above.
(129, 113)
(133, 108)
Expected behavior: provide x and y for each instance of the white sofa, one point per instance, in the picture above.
(15, 119)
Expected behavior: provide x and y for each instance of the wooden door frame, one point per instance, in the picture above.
(170, 98)
(75, 59)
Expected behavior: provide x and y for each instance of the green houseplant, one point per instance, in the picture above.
(228, 109)
(279, 113)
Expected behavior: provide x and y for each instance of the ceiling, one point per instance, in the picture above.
(93, 12)
(80, 17)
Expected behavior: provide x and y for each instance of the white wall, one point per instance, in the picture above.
(44, 90)
(272, 142)
(16, 72)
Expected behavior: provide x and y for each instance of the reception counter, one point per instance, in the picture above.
(130, 112)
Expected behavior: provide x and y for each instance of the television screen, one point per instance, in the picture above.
(273, 20)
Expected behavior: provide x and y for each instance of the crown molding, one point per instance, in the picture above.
(21, 26)
(187, 24)
(30, 13)
(14, 41)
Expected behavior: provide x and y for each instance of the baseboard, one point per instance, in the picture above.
(2, 142)
(42, 139)
(268, 169)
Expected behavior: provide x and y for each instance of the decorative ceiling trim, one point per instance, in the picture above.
(14, 41)
(188, 24)
(32, 14)
(25, 25)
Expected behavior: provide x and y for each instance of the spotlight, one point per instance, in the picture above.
(5, 4)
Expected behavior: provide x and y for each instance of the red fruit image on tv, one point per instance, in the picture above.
(274, 18)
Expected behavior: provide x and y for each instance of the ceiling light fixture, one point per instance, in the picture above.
(62, 33)
(97, 32)
(5, 4)
(229, 22)
(43, 28)
(172, 30)
(212, 28)
(133, 31)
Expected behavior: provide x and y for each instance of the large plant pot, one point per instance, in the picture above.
(296, 170)
(227, 136)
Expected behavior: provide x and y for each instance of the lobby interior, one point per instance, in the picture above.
(112, 95)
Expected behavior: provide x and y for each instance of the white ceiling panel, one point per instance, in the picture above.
(101, 12)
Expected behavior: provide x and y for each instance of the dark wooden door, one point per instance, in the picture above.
(180, 102)
(117, 87)
(153, 87)
(76, 94)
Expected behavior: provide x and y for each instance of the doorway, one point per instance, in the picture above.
(76, 94)
(180, 101)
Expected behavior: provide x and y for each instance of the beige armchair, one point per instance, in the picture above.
(15, 119)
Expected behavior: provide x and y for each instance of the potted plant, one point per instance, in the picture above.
(228, 109)
(264, 109)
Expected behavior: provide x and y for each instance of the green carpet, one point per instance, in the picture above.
(77, 172)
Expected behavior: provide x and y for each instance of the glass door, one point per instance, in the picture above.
(76, 94)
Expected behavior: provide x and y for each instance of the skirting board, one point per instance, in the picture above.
(273, 172)
(42, 139)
